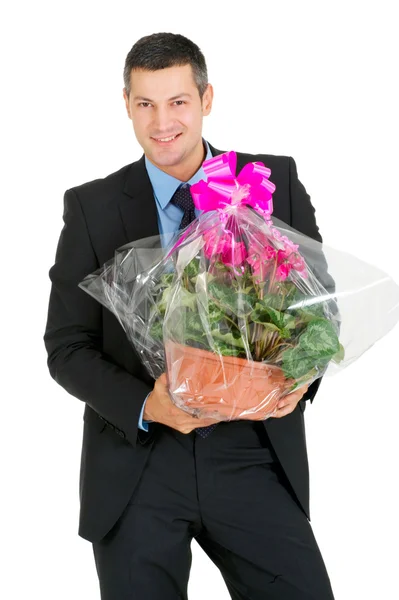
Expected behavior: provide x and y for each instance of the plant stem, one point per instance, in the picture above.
(258, 344)
(232, 322)
(283, 344)
(272, 277)
(282, 300)
(224, 315)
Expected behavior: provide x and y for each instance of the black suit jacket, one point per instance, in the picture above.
(89, 354)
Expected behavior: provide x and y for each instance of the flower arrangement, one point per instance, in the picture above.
(250, 305)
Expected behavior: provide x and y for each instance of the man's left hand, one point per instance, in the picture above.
(288, 404)
(284, 407)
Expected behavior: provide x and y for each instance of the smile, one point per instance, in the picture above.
(167, 140)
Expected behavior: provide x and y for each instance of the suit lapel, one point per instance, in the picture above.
(137, 209)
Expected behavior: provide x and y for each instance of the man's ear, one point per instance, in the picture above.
(207, 100)
(126, 98)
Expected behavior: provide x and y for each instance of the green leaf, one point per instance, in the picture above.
(340, 355)
(215, 315)
(267, 314)
(296, 363)
(193, 322)
(248, 289)
(217, 291)
(268, 326)
(190, 328)
(305, 310)
(220, 266)
(167, 279)
(285, 333)
(156, 330)
(320, 339)
(287, 294)
(226, 350)
(290, 322)
(276, 317)
(187, 299)
(315, 348)
(269, 301)
(304, 316)
(231, 301)
(192, 268)
(228, 339)
(163, 302)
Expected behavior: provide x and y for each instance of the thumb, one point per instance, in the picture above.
(163, 379)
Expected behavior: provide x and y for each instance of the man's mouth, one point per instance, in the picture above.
(167, 140)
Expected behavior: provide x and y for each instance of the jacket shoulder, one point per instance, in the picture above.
(103, 184)
(247, 157)
(267, 159)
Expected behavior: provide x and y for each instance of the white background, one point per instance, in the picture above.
(312, 80)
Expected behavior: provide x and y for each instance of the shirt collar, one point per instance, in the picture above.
(165, 185)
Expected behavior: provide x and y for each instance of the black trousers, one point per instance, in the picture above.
(229, 493)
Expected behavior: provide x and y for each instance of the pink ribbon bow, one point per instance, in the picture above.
(223, 188)
(251, 186)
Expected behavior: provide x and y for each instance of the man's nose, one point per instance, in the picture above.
(162, 120)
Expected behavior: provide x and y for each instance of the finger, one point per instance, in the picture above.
(288, 401)
(298, 392)
(204, 421)
(292, 398)
(163, 379)
(282, 412)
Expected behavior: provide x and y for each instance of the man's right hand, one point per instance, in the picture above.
(160, 408)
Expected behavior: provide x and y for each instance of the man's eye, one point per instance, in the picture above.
(142, 103)
(182, 102)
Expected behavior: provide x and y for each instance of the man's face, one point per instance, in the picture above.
(166, 104)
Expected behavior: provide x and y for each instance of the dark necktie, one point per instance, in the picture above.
(184, 200)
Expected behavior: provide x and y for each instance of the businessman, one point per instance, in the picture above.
(152, 477)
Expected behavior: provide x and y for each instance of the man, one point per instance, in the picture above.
(148, 482)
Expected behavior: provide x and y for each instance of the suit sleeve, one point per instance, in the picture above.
(303, 220)
(73, 334)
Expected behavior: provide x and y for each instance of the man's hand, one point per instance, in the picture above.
(231, 413)
(288, 404)
(160, 408)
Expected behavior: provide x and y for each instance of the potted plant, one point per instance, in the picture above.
(238, 332)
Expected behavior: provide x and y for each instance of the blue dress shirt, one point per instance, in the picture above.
(169, 215)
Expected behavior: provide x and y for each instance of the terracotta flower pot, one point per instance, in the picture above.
(223, 387)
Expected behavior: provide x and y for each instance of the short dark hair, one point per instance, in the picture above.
(163, 50)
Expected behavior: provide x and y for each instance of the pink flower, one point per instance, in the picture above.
(260, 253)
(215, 242)
(258, 240)
(225, 247)
(282, 255)
(261, 271)
(291, 257)
(261, 257)
(283, 271)
(297, 262)
(234, 253)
